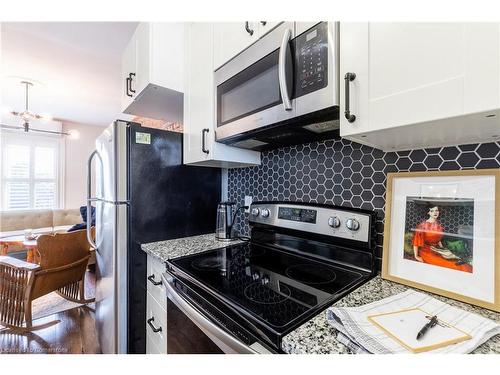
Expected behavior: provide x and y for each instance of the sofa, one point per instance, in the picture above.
(39, 221)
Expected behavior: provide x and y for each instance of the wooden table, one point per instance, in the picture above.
(19, 240)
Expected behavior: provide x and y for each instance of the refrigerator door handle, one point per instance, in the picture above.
(89, 198)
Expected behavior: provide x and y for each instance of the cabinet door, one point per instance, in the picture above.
(265, 26)
(154, 284)
(409, 73)
(143, 56)
(151, 347)
(199, 96)
(230, 38)
(354, 59)
(199, 106)
(167, 55)
(128, 66)
(416, 66)
(482, 66)
(156, 325)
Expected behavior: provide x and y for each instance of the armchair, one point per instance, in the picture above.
(63, 262)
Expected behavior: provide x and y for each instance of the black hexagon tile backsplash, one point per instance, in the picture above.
(345, 173)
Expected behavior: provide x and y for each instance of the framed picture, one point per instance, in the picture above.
(442, 234)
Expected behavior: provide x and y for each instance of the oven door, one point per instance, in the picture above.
(190, 331)
(255, 88)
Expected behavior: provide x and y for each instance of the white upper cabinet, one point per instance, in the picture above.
(129, 67)
(230, 38)
(265, 26)
(420, 84)
(144, 69)
(152, 75)
(200, 147)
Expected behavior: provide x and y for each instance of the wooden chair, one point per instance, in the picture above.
(63, 262)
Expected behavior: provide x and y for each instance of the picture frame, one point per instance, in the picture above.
(442, 234)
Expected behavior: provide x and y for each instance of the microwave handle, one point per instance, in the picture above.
(285, 45)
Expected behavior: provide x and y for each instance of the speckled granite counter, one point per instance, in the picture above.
(170, 249)
(317, 336)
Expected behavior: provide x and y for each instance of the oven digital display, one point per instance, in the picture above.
(297, 214)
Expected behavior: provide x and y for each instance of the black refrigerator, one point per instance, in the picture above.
(144, 194)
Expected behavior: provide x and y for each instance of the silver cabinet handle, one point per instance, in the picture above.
(150, 323)
(231, 344)
(349, 77)
(90, 199)
(284, 49)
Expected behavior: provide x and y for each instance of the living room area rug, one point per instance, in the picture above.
(53, 303)
(50, 304)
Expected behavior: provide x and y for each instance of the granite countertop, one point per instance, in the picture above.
(165, 250)
(316, 336)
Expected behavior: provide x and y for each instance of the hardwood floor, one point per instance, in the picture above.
(75, 334)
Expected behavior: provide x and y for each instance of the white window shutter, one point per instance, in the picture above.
(18, 195)
(30, 175)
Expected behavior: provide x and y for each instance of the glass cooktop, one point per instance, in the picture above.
(275, 287)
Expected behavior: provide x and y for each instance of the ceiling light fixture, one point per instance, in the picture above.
(26, 116)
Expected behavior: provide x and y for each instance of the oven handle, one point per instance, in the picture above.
(210, 329)
(284, 48)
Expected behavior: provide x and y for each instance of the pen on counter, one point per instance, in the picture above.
(432, 323)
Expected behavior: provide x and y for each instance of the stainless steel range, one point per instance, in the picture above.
(245, 298)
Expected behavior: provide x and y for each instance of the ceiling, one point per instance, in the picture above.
(75, 66)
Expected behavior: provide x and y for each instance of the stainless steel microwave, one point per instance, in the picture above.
(282, 90)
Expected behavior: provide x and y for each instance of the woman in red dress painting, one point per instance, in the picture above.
(429, 233)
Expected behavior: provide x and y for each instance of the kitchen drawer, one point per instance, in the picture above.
(155, 268)
(155, 311)
(151, 347)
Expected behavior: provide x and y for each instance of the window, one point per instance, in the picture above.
(30, 176)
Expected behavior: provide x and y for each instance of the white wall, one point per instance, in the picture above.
(77, 152)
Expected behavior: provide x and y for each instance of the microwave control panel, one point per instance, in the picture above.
(311, 60)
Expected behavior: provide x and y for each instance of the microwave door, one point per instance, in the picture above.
(255, 89)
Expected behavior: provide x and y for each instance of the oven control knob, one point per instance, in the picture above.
(264, 212)
(334, 222)
(352, 224)
(255, 212)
